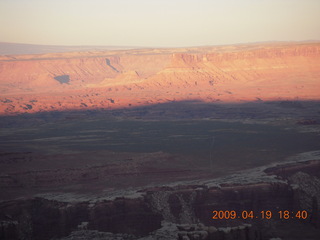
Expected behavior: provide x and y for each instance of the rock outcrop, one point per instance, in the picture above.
(181, 211)
(28, 83)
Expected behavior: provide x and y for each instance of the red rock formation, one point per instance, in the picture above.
(188, 209)
(142, 77)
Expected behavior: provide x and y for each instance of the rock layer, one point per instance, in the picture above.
(179, 212)
(117, 79)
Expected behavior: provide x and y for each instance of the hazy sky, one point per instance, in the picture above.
(158, 22)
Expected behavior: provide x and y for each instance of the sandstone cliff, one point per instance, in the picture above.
(30, 83)
(180, 211)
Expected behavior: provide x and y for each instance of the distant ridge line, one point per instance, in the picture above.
(7, 48)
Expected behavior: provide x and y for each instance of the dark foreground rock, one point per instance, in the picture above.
(290, 192)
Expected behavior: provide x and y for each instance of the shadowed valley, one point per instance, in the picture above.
(147, 143)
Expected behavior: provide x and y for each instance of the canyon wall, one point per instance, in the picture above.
(183, 211)
(109, 80)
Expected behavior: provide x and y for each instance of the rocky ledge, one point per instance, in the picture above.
(279, 201)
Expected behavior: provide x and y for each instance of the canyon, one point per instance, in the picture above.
(182, 210)
(117, 79)
(148, 143)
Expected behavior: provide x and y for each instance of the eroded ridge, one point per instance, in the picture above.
(182, 210)
(28, 83)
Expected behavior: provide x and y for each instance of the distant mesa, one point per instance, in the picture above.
(63, 79)
(21, 48)
(267, 72)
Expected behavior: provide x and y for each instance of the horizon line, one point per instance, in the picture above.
(135, 46)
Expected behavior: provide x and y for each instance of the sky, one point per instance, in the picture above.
(158, 23)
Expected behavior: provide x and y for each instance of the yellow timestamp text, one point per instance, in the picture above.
(265, 214)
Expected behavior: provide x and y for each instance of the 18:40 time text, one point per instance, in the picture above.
(285, 214)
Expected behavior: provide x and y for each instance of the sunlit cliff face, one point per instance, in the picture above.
(116, 79)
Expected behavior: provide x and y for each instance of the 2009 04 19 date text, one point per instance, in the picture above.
(284, 214)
